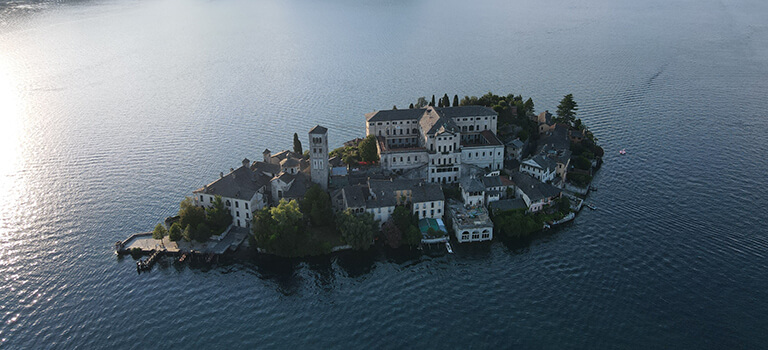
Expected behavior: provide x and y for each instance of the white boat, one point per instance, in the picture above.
(448, 247)
(622, 152)
(591, 206)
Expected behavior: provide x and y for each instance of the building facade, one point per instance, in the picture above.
(440, 139)
(318, 156)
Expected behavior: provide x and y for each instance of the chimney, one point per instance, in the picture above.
(246, 162)
(221, 174)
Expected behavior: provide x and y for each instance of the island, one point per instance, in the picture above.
(466, 171)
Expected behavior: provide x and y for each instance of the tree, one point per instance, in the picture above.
(394, 107)
(187, 234)
(446, 100)
(356, 229)
(402, 218)
(392, 234)
(317, 203)
(189, 214)
(411, 106)
(455, 100)
(368, 150)
(523, 135)
(202, 232)
(296, 144)
(421, 102)
(175, 234)
(567, 108)
(582, 162)
(281, 229)
(528, 105)
(440, 103)
(159, 232)
(217, 216)
(412, 236)
(433, 101)
(563, 204)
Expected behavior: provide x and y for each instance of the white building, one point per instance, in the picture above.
(242, 190)
(440, 138)
(536, 194)
(472, 191)
(470, 223)
(380, 197)
(541, 167)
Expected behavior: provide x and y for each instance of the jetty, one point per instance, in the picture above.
(229, 240)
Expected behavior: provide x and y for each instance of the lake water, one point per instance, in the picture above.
(112, 111)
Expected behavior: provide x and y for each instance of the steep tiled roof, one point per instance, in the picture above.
(241, 183)
(471, 184)
(433, 121)
(384, 191)
(394, 114)
(467, 111)
(416, 113)
(492, 181)
(318, 130)
(534, 189)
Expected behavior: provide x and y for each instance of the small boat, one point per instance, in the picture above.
(448, 247)
(591, 206)
(623, 152)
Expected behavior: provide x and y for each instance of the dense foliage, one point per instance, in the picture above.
(175, 233)
(283, 230)
(317, 205)
(368, 149)
(159, 232)
(200, 224)
(357, 229)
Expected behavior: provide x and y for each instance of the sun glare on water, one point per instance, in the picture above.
(11, 132)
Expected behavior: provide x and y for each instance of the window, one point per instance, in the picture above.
(438, 210)
(201, 198)
(237, 214)
(246, 205)
(210, 199)
(237, 204)
(238, 222)
(464, 237)
(416, 206)
(433, 204)
(423, 213)
(247, 216)
(228, 204)
(432, 212)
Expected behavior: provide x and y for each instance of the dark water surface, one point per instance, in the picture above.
(112, 111)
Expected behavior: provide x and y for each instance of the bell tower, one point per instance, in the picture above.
(318, 156)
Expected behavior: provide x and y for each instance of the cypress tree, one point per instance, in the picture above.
(411, 106)
(296, 144)
(446, 101)
(440, 103)
(455, 100)
(433, 101)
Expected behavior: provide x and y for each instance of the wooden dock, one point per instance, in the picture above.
(228, 241)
